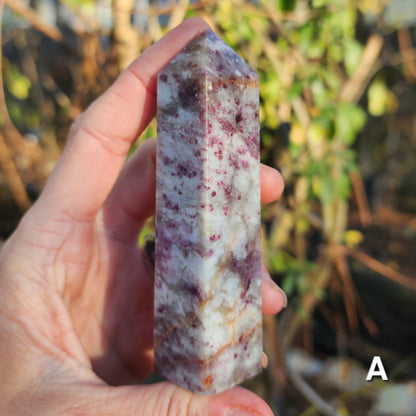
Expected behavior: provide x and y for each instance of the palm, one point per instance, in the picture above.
(109, 298)
(103, 309)
(75, 287)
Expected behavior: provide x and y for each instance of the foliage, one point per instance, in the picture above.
(305, 53)
(304, 59)
(309, 54)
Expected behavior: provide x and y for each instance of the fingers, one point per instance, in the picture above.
(132, 199)
(274, 299)
(101, 138)
(272, 184)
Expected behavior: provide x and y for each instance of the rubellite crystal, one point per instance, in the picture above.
(208, 334)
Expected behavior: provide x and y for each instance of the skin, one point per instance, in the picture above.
(76, 292)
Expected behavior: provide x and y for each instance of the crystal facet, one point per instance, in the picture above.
(208, 334)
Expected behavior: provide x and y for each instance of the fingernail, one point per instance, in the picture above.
(274, 286)
(242, 412)
(264, 360)
(283, 295)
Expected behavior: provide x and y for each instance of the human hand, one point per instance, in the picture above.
(76, 291)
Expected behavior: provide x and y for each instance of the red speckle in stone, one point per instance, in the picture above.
(201, 115)
(253, 146)
(228, 190)
(235, 355)
(188, 92)
(213, 238)
(213, 193)
(202, 206)
(172, 224)
(162, 308)
(238, 117)
(239, 197)
(163, 77)
(169, 205)
(237, 101)
(211, 208)
(158, 282)
(228, 127)
(197, 153)
(192, 289)
(186, 244)
(246, 267)
(245, 164)
(189, 171)
(225, 209)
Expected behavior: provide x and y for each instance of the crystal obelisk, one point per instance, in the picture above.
(208, 334)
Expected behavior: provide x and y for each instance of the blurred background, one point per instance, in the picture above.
(338, 119)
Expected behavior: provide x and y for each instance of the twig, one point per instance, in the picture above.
(273, 350)
(379, 267)
(354, 87)
(361, 197)
(34, 19)
(348, 292)
(178, 13)
(126, 38)
(311, 395)
(13, 179)
(408, 54)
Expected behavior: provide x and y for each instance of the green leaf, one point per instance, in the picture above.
(377, 98)
(353, 54)
(327, 190)
(17, 83)
(286, 5)
(317, 4)
(343, 185)
(295, 90)
(349, 120)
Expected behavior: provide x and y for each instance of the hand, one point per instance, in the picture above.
(76, 291)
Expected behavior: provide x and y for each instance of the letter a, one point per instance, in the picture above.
(376, 369)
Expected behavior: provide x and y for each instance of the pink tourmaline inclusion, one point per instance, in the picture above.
(208, 319)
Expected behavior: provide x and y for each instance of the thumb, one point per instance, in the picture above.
(167, 399)
(92, 397)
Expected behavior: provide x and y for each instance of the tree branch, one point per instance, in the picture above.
(34, 19)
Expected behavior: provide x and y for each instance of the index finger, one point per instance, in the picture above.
(101, 138)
